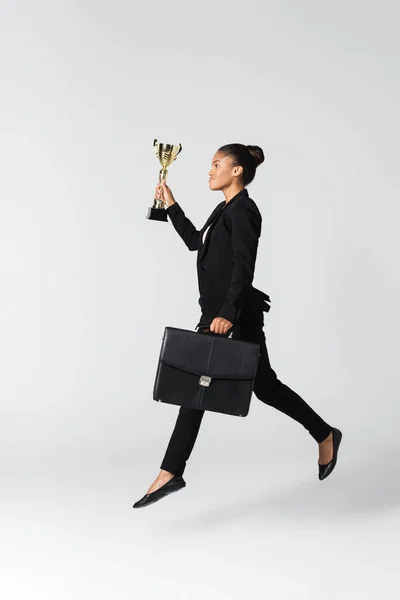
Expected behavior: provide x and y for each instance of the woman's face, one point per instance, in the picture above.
(222, 173)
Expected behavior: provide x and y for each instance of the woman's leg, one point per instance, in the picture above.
(182, 440)
(270, 390)
(180, 446)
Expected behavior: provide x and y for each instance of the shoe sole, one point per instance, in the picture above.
(340, 436)
(160, 498)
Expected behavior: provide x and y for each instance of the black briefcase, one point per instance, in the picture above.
(206, 371)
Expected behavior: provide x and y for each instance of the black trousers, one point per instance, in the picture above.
(267, 388)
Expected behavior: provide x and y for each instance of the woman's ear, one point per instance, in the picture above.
(237, 171)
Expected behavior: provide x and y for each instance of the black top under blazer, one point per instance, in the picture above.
(226, 260)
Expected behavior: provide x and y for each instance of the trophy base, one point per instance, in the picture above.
(157, 214)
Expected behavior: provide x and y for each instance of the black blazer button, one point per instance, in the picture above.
(202, 267)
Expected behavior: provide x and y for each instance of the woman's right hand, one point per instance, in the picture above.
(164, 193)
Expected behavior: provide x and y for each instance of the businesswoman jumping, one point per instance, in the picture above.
(226, 255)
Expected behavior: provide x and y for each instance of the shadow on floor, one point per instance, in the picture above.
(369, 488)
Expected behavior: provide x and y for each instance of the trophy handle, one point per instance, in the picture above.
(180, 148)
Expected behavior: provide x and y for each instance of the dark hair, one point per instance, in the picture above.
(248, 157)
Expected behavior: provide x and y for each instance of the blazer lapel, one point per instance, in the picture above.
(214, 218)
(210, 221)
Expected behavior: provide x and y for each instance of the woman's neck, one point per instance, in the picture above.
(232, 191)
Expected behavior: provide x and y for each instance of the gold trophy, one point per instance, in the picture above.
(166, 154)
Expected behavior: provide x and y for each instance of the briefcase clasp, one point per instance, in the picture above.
(205, 381)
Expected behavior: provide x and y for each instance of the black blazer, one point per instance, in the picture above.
(226, 260)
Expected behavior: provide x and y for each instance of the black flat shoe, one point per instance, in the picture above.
(325, 470)
(173, 485)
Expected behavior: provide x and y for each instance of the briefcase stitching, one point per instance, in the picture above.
(198, 373)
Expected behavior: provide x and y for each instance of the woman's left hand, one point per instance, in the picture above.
(220, 325)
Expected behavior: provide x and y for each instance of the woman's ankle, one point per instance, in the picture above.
(164, 474)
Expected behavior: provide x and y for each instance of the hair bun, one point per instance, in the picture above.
(257, 154)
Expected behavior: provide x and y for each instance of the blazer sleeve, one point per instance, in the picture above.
(246, 230)
(184, 226)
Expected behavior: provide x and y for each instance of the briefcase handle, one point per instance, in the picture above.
(227, 335)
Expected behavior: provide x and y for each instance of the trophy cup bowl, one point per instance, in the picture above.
(166, 154)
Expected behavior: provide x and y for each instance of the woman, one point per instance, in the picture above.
(227, 248)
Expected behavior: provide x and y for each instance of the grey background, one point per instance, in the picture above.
(88, 285)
